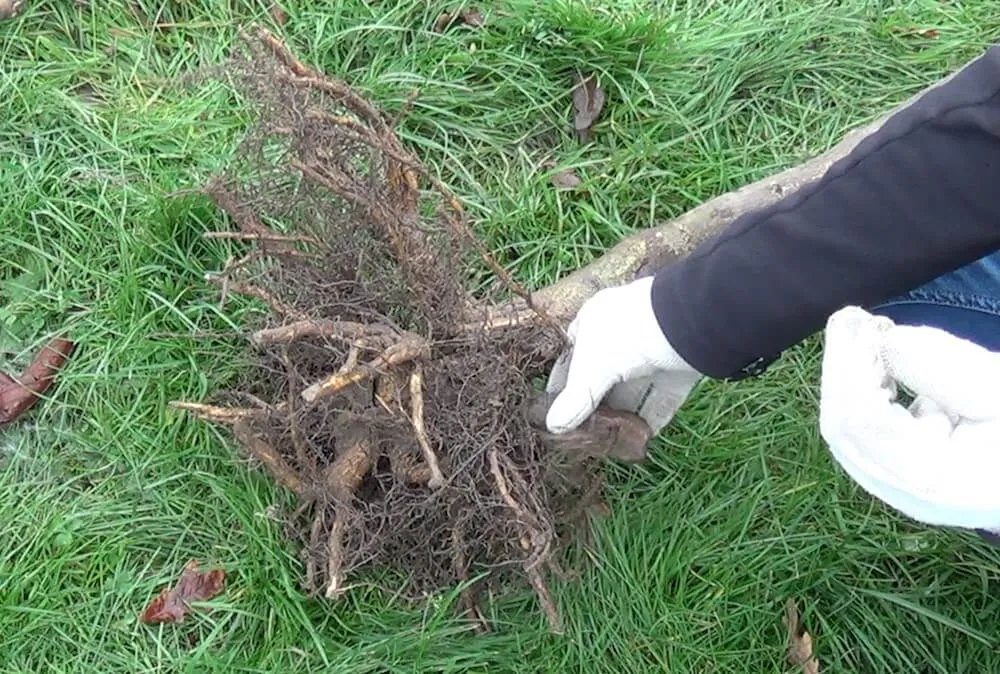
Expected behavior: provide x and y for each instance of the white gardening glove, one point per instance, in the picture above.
(620, 356)
(936, 461)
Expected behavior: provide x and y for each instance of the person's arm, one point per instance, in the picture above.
(918, 198)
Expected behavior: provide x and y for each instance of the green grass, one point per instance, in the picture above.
(105, 493)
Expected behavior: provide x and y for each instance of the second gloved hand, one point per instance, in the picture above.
(934, 460)
(620, 353)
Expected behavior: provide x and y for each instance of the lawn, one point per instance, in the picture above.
(105, 493)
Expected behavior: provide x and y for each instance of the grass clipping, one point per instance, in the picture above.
(381, 394)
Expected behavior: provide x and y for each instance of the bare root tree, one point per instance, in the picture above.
(394, 404)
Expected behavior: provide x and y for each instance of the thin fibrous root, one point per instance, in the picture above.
(460, 564)
(245, 219)
(411, 347)
(436, 480)
(314, 80)
(378, 335)
(404, 109)
(262, 236)
(334, 180)
(224, 415)
(249, 290)
(267, 455)
(302, 453)
(529, 540)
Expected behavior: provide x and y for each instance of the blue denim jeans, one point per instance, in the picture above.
(964, 302)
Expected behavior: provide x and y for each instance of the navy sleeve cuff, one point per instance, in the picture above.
(916, 199)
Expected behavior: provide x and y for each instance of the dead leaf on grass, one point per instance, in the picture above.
(172, 603)
(87, 93)
(588, 101)
(566, 180)
(473, 17)
(800, 651)
(469, 16)
(17, 395)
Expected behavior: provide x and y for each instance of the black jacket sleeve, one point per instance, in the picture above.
(918, 198)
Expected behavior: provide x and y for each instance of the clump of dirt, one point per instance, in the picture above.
(382, 394)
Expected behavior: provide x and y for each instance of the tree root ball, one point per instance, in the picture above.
(383, 394)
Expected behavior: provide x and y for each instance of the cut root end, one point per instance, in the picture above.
(335, 559)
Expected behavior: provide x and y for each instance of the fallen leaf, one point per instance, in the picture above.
(87, 94)
(469, 16)
(19, 394)
(566, 179)
(800, 651)
(472, 17)
(279, 15)
(172, 604)
(588, 101)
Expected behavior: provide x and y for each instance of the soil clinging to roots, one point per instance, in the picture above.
(381, 395)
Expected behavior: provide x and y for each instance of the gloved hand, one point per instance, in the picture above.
(936, 460)
(619, 351)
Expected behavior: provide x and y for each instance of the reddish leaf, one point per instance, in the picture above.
(172, 604)
(20, 394)
(588, 101)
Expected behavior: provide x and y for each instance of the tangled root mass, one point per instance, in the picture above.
(379, 394)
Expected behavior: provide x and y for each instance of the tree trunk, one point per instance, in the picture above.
(649, 250)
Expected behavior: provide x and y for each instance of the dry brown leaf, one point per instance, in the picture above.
(472, 17)
(800, 651)
(87, 93)
(279, 14)
(172, 604)
(588, 101)
(566, 180)
(469, 16)
(20, 394)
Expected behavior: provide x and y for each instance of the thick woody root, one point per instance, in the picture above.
(406, 428)
(342, 478)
